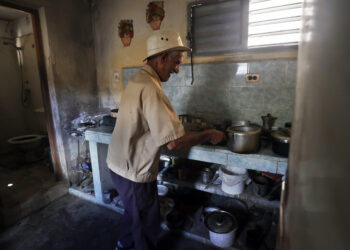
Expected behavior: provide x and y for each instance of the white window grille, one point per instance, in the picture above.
(274, 23)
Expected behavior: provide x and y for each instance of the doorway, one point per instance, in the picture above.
(28, 166)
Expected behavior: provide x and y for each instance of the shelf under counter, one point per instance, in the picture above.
(264, 160)
(216, 189)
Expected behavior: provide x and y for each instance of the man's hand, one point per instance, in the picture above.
(212, 135)
(216, 136)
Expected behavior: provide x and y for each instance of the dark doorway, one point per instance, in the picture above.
(29, 166)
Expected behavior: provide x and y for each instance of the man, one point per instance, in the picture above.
(146, 121)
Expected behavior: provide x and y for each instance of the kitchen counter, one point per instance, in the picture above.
(264, 160)
(99, 138)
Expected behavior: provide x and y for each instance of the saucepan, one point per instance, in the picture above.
(280, 141)
(244, 138)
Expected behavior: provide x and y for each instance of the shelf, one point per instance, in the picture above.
(216, 189)
(264, 160)
(182, 233)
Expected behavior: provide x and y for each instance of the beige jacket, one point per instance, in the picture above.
(146, 121)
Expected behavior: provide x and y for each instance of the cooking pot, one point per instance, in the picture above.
(208, 210)
(280, 141)
(243, 139)
(261, 185)
(222, 228)
(240, 123)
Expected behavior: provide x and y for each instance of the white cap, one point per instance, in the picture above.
(164, 41)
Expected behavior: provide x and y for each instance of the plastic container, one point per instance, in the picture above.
(233, 180)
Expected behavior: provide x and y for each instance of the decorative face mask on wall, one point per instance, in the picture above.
(155, 14)
(126, 31)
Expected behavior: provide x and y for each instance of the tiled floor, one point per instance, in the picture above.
(70, 223)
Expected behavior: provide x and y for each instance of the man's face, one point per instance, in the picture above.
(170, 64)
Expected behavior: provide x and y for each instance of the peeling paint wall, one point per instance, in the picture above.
(111, 55)
(72, 84)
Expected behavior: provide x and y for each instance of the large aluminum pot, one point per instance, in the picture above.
(244, 139)
(222, 228)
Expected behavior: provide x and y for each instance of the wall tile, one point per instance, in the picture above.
(291, 72)
(128, 73)
(220, 74)
(272, 72)
(178, 79)
(280, 102)
(181, 98)
(219, 91)
(251, 97)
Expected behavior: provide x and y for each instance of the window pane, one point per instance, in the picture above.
(274, 22)
(284, 39)
(274, 27)
(217, 27)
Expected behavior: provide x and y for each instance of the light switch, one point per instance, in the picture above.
(116, 77)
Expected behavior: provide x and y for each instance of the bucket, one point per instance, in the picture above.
(233, 180)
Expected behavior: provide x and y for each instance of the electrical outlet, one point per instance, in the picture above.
(252, 77)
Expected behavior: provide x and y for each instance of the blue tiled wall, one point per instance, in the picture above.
(219, 90)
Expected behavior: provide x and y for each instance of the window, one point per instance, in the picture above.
(221, 27)
(274, 23)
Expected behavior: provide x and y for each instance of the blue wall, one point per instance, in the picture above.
(220, 92)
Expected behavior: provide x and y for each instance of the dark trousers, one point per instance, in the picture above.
(141, 220)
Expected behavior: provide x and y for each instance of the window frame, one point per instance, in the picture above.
(244, 30)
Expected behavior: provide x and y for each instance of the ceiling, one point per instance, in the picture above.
(8, 14)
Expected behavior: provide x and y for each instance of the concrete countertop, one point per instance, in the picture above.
(264, 160)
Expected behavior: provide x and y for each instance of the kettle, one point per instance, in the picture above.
(268, 121)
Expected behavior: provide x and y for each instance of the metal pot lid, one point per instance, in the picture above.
(281, 135)
(245, 129)
(220, 222)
